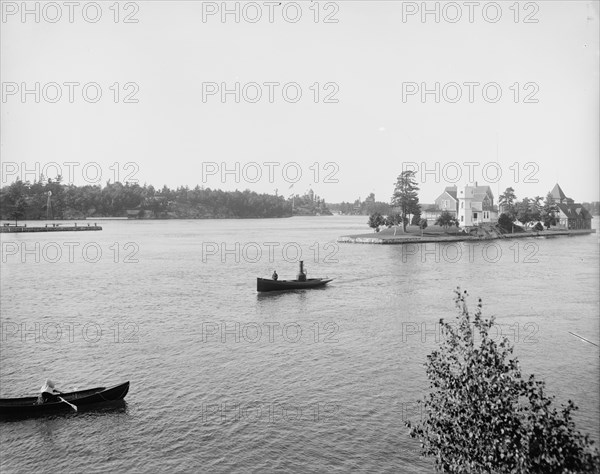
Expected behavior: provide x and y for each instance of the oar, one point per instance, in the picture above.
(70, 404)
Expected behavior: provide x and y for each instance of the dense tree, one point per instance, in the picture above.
(549, 212)
(26, 200)
(592, 207)
(528, 211)
(393, 220)
(15, 204)
(482, 415)
(536, 207)
(416, 219)
(538, 203)
(18, 209)
(423, 225)
(362, 208)
(406, 195)
(310, 205)
(523, 210)
(446, 219)
(507, 202)
(376, 220)
(505, 222)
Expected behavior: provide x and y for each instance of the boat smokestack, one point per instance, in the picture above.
(301, 274)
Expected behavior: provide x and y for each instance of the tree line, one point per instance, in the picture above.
(52, 199)
(362, 208)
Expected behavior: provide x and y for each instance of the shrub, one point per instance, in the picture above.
(375, 221)
(416, 219)
(481, 416)
(445, 220)
(505, 222)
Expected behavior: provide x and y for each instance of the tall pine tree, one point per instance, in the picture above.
(405, 196)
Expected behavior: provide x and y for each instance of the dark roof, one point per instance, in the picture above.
(479, 192)
(484, 190)
(557, 194)
(451, 190)
(574, 210)
(479, 196)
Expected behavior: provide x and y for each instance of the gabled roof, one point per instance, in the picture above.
(557, 193)
(447, 193)
(481, 193)
(574, 210)
(480, 196)
(559, 196)
(484, 190)
(451, 190)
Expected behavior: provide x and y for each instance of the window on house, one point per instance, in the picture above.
(462, 218)
(462, 204)
(474, 215)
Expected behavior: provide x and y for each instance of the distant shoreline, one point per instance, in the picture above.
(23, 228)
(95, 219)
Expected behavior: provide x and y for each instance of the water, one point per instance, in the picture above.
(226, 380)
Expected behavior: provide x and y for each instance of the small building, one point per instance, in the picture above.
(570, 215)
(574, 216)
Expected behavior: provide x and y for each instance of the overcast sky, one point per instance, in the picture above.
(369, 122)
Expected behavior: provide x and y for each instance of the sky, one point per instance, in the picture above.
(329, 95)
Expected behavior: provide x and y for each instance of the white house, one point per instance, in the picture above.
(475, 205)
(470, 204)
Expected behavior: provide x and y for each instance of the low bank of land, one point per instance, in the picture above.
(438, 234)
(56, 228)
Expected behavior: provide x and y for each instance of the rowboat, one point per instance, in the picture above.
(91, 398)
(265, 284)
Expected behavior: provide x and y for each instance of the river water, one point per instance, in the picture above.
(226, 380)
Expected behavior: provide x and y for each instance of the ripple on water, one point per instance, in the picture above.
(332, 401)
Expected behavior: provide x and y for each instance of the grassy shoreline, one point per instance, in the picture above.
(437, 234)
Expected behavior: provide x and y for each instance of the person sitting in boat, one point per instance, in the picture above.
(47, 392)
(275, 276)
